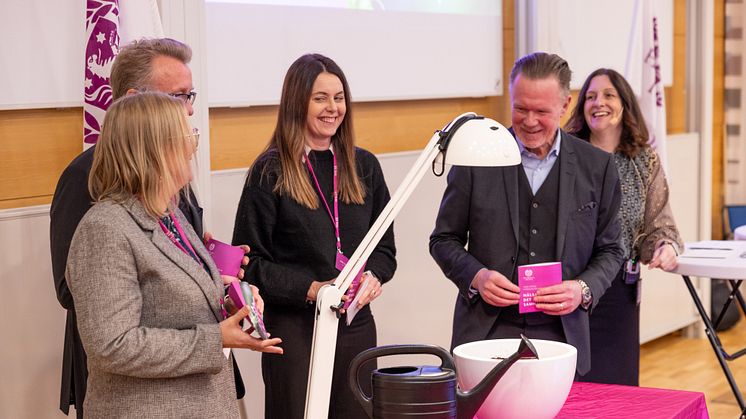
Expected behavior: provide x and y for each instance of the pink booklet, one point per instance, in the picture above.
(227, 258)
(533, 277)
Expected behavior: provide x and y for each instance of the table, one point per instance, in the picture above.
(589, 400)
(719, 260)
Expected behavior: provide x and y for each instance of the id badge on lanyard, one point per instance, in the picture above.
(340, 259)
(340, 263)
(631, 271)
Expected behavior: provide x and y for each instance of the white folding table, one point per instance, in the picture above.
(718, 260)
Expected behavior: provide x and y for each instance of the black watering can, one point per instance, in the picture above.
(425, 391)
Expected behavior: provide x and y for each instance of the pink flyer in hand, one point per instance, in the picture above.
(227, 258)
(533, 277)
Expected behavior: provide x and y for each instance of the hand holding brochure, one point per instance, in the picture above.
(352, 308)
(239, 294)
(533, 277)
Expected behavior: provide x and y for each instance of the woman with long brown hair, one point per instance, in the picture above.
(607, 115)
(309, 200)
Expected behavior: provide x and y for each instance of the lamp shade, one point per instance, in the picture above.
(482, 142)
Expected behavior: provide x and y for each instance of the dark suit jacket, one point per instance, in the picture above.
(70, 203)
(480, 208)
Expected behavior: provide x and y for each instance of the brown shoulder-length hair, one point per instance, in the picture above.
(143, 152)
(634, 132)
(288, 140)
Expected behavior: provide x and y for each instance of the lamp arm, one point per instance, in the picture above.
(388, 214)
(323, 350)
(326, 323)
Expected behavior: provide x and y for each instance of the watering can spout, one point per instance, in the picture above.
(470, 401)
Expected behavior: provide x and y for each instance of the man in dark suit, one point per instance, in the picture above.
(559, 204)
(148, 64)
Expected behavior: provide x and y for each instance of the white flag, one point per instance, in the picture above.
(648, 67)
(139, 19)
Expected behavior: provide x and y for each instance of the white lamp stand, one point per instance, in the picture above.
(468, 140)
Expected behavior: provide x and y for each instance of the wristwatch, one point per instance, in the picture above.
(585, 294)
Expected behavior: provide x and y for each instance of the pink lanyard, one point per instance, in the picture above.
(335, 216)
(183, 237)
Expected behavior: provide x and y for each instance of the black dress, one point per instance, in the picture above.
(615, 336)
(292, 246)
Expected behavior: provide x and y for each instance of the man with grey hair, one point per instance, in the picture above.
(559, 204)
(147, 64)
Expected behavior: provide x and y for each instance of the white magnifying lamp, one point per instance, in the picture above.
(468, 140)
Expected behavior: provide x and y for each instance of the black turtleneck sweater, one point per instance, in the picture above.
(291, 245)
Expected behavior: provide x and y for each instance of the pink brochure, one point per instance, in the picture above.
(533, 277)
(227, 258)
(240, 293)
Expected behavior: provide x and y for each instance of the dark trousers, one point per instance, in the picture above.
(286, 376)
(615, 336)
(511, 324)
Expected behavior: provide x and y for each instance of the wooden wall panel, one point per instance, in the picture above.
(35, 146)
(676, 97)
(238, 135)
(718, 122)
(408, 125)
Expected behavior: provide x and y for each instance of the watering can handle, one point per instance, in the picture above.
(380, 351)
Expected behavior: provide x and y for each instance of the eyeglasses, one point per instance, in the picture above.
(194, 137)
(185, 97)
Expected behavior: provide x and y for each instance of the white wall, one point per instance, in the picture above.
(32, 323)
(666, 304)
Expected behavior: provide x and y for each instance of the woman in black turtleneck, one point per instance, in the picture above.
(287, 212)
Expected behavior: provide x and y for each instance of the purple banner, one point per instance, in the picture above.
(102, 24)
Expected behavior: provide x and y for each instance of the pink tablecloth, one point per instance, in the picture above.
(587, 400)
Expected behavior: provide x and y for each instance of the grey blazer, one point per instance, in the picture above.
(477, 227)
(148, 317)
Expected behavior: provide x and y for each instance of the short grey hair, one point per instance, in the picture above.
(133, 65)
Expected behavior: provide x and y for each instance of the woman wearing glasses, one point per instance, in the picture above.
(309, 200)
(147, 293)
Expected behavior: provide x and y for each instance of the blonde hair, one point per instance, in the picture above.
(142, 152)
(133, 66)
(288, 140)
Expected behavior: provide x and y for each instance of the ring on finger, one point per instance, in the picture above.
(562, 306)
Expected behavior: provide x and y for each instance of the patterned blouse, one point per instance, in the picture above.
(645, 213)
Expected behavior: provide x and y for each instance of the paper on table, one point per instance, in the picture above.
(353, 308)
(709, 250)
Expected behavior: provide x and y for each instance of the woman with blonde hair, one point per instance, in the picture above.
(147, 293)
(309, 200)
